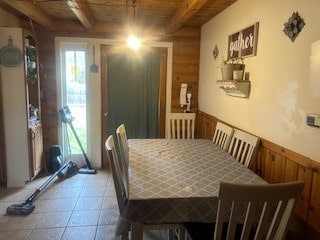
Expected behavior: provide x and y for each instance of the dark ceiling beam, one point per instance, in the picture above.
(83, 13)
(30, 10)
(132, 9)
(183, 14)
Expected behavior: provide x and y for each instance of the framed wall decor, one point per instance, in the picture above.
(243, 43)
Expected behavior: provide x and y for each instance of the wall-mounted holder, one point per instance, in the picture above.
(313, 120)
(185, 98)
(189, 95)
(235, 88)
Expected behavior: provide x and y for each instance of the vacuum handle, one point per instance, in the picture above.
(35, 194)
(80, 145)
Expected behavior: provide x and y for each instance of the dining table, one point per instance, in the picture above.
(177, 181)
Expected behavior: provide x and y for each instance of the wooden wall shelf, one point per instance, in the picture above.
(235, 88)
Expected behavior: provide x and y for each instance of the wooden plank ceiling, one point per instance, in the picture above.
(92, 15)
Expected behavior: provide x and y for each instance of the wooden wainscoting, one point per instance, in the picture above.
(277, 164)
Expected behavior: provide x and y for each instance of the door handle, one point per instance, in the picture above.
(105, 114)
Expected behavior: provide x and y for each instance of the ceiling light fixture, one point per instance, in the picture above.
(133, 41)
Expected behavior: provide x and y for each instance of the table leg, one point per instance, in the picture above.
(136, 231)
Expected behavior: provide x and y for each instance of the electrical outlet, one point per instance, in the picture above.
(313, 120)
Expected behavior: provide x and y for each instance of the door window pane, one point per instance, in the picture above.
(75, 98)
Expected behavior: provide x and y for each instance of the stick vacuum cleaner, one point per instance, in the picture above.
(67, 118)
(27, 207)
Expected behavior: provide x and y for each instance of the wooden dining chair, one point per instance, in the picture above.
(123, 149)
(266, 210)
(181, 125)
(123, 141)
(222, 135)
(116, 169)
(243, 146)
(122, 192)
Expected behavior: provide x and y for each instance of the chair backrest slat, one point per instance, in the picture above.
(123, 150)
(222, 135)
(267, 206)
(243, 146)
(181, 125)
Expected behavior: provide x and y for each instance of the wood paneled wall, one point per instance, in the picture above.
(186, 51)
(277, 164)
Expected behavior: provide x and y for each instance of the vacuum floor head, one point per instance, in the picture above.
(87, 170)
(21, 209)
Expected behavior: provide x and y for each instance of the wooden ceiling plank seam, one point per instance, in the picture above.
(30, 10)
(83, 13)
(185, 11)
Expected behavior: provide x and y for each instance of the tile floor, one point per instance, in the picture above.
(80, 207)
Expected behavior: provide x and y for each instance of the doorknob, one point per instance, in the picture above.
(105, 114)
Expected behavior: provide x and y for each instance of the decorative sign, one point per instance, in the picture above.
(243, 43)
(10, 56)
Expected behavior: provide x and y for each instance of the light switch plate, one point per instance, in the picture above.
(313, 120)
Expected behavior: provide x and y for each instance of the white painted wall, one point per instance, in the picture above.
(282, 89)
(15, 117)
(17, 157)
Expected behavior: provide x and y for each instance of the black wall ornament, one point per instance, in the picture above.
(215, 52)
(293, 27)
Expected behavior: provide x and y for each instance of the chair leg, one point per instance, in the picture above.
(182, 233)
(177, 234)
(136, 231)
(125, 235)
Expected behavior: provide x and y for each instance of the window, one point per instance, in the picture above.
(74, 95)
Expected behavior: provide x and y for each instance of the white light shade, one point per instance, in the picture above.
(134, 42)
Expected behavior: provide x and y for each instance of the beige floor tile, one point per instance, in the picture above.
(109, 216)
(110, 203)
(81, 207)
(41, 205)
(92, 191)
(4, 205)
(68, 192)
(53, 220)
(94, 182)
(3, 220)
(62, 205)
(74, 181)
(110, 191)
(36, 183)
(48, 193)
(21, 222)
(14, 235)
(20, 195)
(84, 218)
(46, 234)
(106, 232)
(76, 233)
(4, 192)
(88, 203)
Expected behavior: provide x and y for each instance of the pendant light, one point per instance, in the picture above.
(133, 41)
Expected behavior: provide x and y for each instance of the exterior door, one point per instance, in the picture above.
(109, 123)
